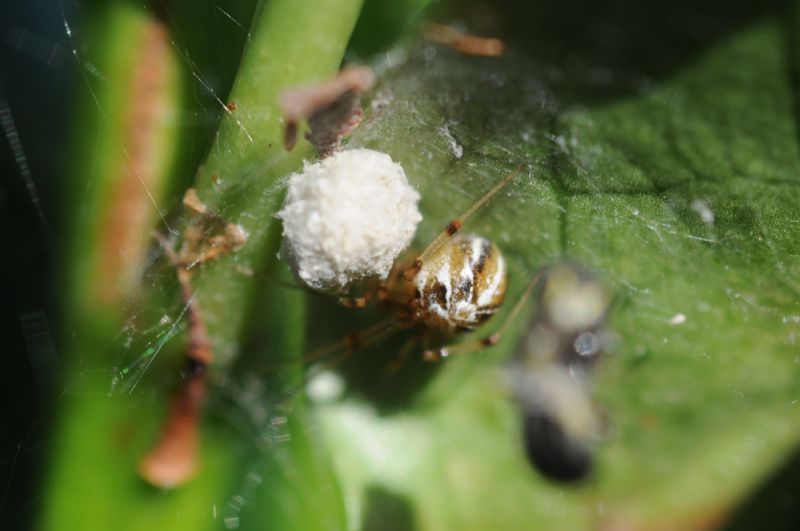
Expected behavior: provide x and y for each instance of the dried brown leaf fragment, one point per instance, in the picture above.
(332, 108)
(463, 42)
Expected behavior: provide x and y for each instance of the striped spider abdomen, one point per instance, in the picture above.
(461, 285)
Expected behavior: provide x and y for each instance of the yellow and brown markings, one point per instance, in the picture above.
(462, 284)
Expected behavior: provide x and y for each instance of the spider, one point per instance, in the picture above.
(456, 284)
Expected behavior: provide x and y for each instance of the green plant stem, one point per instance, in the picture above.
(126, 142)
(292, 43)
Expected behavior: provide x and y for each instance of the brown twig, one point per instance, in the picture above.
(463, 42)
(174, 458)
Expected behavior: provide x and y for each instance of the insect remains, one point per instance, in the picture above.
(551, 373)
(208, 237)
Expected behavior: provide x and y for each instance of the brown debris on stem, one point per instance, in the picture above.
(174, 459)
(332, 108)
(209, 236)
(463, 42)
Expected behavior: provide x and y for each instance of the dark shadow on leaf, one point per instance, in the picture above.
(602, 38)
(376, 373)
(387, 511)
(776, 504)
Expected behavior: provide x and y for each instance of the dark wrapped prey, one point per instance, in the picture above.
(551, 373)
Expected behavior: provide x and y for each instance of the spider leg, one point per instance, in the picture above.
(353, 342)
(341, 351)
(456, 224)
(402, 357)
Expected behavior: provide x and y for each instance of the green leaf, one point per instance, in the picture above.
(677, 181)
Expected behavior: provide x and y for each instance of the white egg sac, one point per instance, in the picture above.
(347, 218)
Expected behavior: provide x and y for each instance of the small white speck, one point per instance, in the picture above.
(703, 210)
(237, 502)
(327, 386)
(455, 147)
(244, 270)
(382, 99)
(677, 319)
(587, 344)
(601, 509)
(795, 319)
(279, 420)
(282, 438)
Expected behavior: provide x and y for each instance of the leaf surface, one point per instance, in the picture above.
(680, 188)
